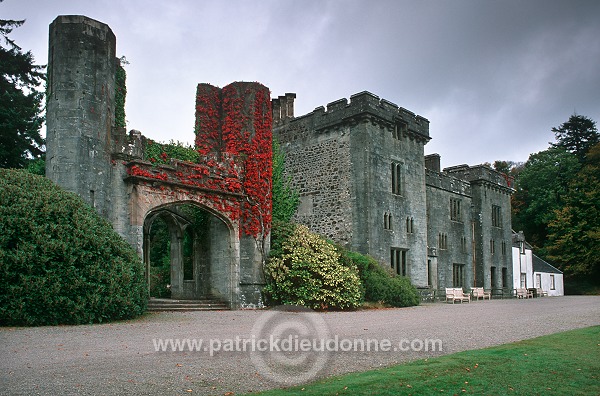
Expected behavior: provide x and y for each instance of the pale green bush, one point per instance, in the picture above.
(305, 270)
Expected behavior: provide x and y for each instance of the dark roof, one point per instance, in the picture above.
(540, 265)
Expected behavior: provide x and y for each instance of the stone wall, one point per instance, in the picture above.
(449, 233)
(80, 107)
(342, 161)
(491, 193)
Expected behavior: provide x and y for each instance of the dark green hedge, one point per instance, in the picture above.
(379, 284)
(60, 263)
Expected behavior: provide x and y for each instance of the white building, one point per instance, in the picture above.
(530, 271)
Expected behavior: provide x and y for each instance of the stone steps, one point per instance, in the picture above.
(167, 304)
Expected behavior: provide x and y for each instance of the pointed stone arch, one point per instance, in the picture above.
(216, 255)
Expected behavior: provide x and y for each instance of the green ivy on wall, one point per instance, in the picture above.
(161, 153)
(120, 93)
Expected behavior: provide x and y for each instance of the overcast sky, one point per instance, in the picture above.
(492, 76)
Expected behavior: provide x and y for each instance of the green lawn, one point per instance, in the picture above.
(559, 364)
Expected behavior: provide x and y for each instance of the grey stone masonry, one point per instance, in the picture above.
(359, 168)
(80, 107)
(365, 182)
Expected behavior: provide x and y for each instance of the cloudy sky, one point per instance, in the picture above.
(492, 76)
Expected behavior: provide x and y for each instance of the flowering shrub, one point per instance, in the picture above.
(60, 262)
(304, 269)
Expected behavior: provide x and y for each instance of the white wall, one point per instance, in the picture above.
(559, 288)
(522, 263)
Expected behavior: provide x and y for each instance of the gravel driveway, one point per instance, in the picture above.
(121, 358)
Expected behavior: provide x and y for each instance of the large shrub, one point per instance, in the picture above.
(304, 269)
(379, 284)
(60, 263)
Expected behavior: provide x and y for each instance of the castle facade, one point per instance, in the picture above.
(364, 181)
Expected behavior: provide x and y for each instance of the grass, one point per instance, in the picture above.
(559, 364)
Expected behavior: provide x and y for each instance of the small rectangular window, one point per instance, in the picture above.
(455, 211)
(396, 178)
(457, 275)
(399, 261)
(552, 284)
(387, 221)
(496, 216)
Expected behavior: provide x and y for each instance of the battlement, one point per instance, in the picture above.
(364, 105)
(482, 174)
(446, 182)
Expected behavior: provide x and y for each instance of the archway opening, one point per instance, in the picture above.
(160, 259)
(188, 253)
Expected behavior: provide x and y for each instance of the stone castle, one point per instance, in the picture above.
(358, 165)
(364, 181)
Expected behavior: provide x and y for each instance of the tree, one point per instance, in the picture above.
(20, 102)
(574, 233)
(540, 190)
(577, 135)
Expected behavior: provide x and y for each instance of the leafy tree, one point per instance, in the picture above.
(540, 190)
(20, 101)
(577, 135)
(510, 168)
(574, 233)
(285, 199)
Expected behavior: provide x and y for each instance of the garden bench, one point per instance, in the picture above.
(456, 294)
(523, 293)
(480, 292)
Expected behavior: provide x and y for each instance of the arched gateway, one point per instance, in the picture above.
(231, 184)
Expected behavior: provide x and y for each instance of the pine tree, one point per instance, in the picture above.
(20, 102)
(577, 135)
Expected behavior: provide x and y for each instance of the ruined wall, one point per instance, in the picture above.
(80, 107)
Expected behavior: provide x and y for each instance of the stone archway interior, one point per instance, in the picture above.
(195, 246)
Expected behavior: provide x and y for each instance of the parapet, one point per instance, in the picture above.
(360, 106)
(482, 174)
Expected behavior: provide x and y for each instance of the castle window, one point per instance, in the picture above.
(492, 246)
(399, 128)
(410, 224)
(463, 244)
(504, 248)
(396, 178)
(387, 221)
(496, 216)
(455, 213)
(442, 241)
(504, 277)
(399, 261)
(458, 275)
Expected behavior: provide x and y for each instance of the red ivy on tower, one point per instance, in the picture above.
(237, 121)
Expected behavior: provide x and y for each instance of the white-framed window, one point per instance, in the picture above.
(538, 280)
(552, 284)
(523, 280)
